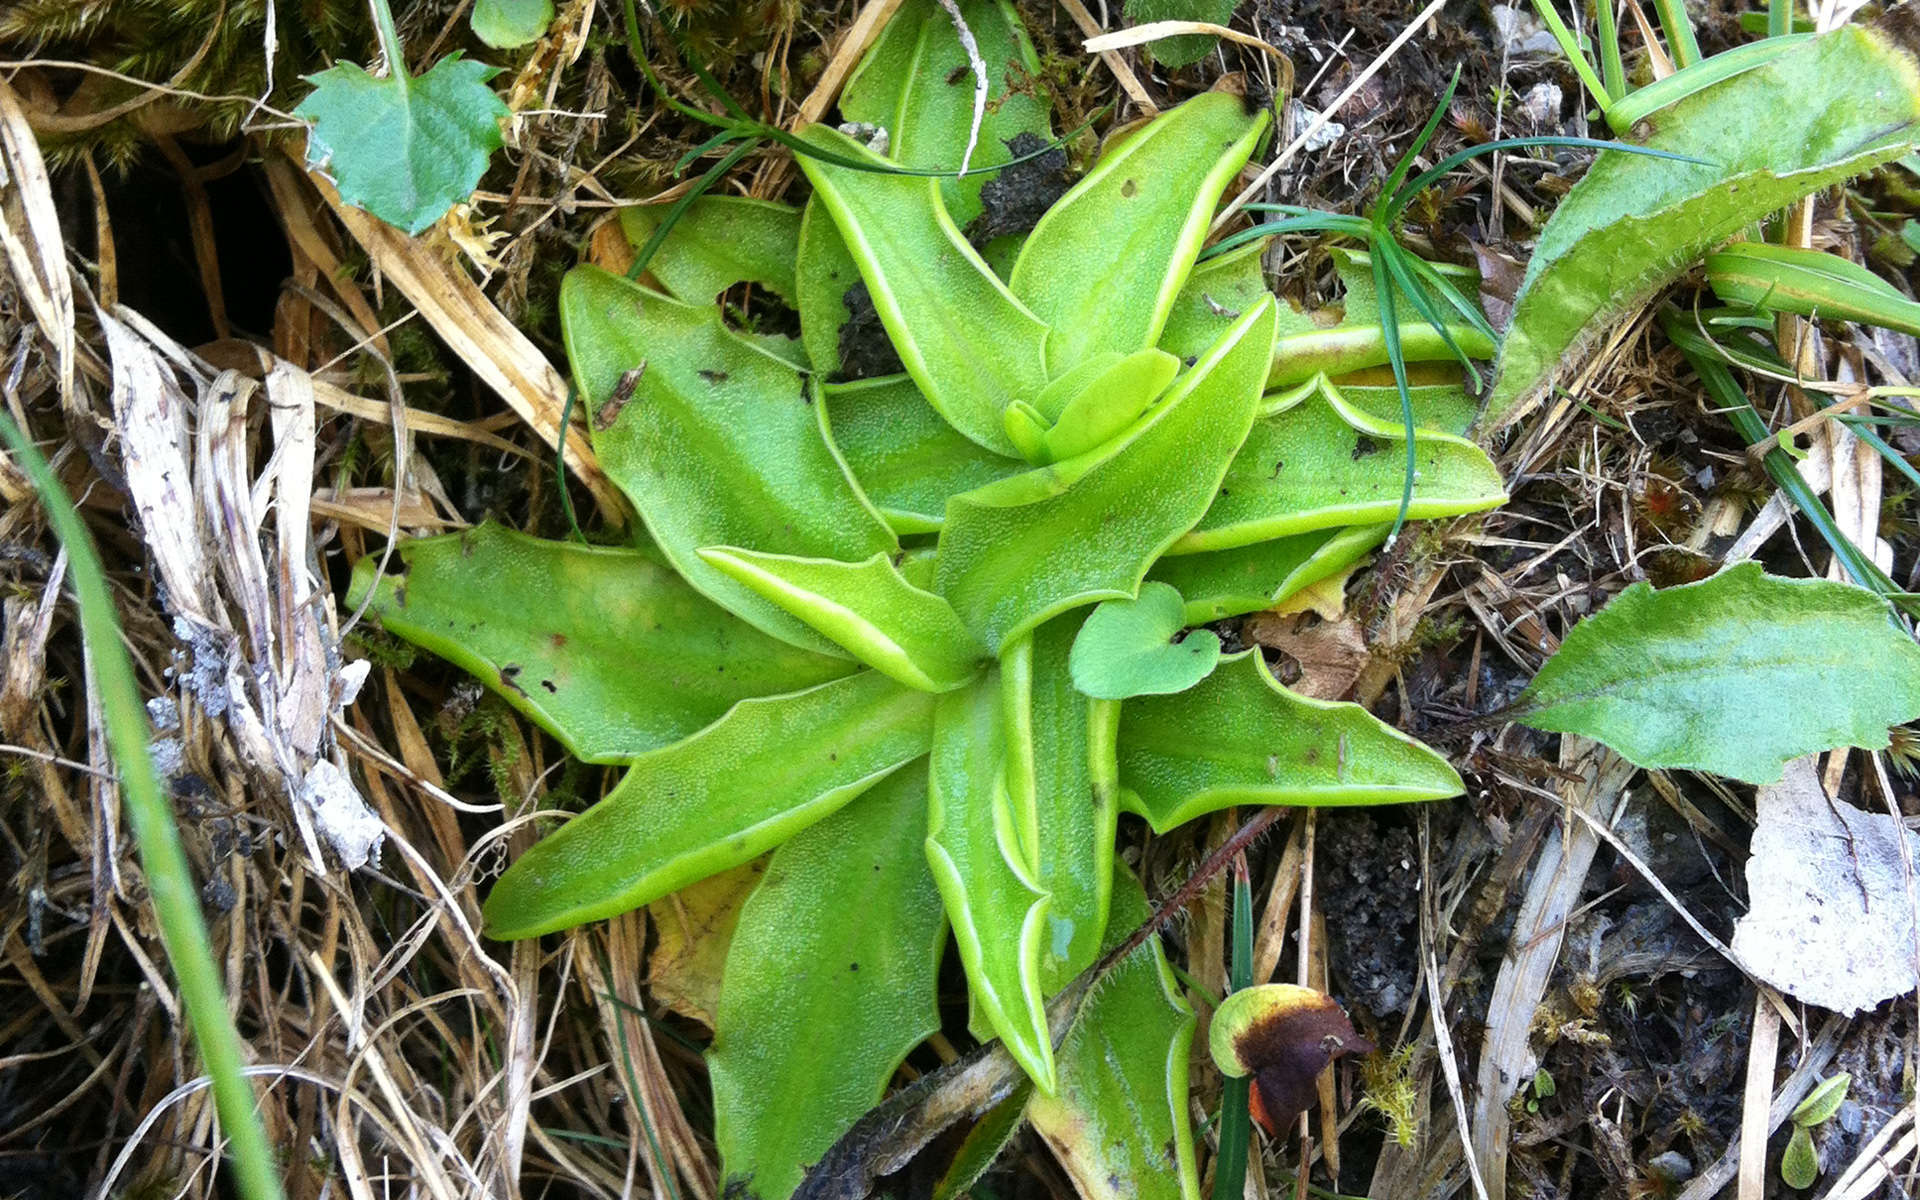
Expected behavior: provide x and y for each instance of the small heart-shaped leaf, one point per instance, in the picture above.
(1128, 648)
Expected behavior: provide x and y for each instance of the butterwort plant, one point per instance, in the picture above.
(925, 635)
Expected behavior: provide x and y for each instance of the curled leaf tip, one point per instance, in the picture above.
(1283, 1035)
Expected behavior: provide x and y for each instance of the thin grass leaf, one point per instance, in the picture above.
(1863, 429)
(1705, 358)
(1570, 46)
(1390, 324)
(1612, 70)
(1682, 47)
(176, 901)
(1236, 1120)
(1427, 177)
(1350, 226)
(1383, 211)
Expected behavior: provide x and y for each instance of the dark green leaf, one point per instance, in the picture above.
(404, 148)
(1187, 48)
(1634, 223)
(1735, 674)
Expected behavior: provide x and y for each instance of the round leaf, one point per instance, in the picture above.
(1133, 648)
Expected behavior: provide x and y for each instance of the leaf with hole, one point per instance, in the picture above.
(719, 241)
(716, 442)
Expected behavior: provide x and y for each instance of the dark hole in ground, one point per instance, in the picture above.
(153, 239)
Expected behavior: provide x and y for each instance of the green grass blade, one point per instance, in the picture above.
(1570, 46)
(1703, 355)
(1236, 1119)
(1390, 326)
(1682, 48)
(176, 902)
(1613, 71)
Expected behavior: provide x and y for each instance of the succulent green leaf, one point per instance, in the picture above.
(405, 148)
(823, 270)
(1241, 738)
(1811, 283)
(1324, 463)
(1216, 292)
(1133, 647)
(1187, 48)
(1300, 355)
(1119, 1123)
(1105, 263)
(1027, 430)
(1823, 1101)
(1634, 223)
(1111, 401)
(717, 443)
(731, 792)
(507, 24)
(830, 981)
(717, 242)
(961, 334)
(555, 629)
(1800, 1162)
(1735, 674)
(907, 459)
(998, 912)
(983, 1144)
(917, 82)
(1017, 552)
(1061, 769)
(907, 634)
(1446, 407)
(1228, 583)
